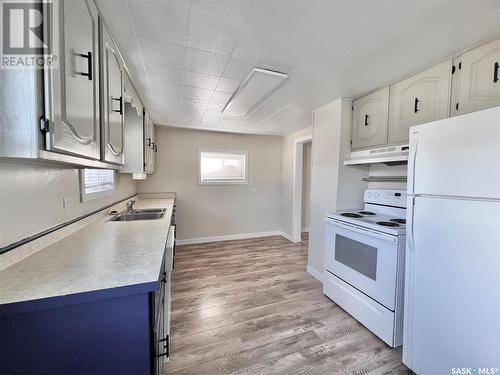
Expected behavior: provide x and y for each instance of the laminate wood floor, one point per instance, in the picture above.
(250, 307)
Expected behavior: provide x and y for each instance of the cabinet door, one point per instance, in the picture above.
(477, 85)
(154, 148)
(159, 339)
(112, 100)
(148, 144)
(72, 96)
(422, 98)
(369, 122)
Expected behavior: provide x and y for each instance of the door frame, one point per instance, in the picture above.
(298, 147)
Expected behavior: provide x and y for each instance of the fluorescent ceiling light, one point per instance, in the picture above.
(256, 88)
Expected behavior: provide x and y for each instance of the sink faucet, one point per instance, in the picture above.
(130, 206)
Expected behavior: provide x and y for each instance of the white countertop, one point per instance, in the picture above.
(102, 255)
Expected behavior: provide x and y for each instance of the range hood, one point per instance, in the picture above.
(390, 155)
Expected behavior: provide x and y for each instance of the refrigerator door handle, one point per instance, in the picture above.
(409, 224)
(411, 160)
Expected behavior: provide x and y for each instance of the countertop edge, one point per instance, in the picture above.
(32, 305)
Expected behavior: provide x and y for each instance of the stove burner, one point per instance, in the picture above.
(367, 213)
(399, 221)
(349, 214)
(387, 223)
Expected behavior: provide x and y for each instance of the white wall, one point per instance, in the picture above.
(333, 185)
(287, 177)
(211, 211)
(306, 183)
(31, 198)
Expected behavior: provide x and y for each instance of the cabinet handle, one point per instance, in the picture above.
(415, 109)
(120, 111)
(156, 148)
(153, 146)
(165, 346)
(87, 56)
(366, 120)
(163, 277)
(495, 73)
(149, 142)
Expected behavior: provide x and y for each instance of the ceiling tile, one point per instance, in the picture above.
(199, 80)
(237, 69)
(220, 97)
(286, 22)
(127, 43)
(195, 105)
(213, 36)
(216, 107)
(266, 51)
(228, 84)
(117, 15)
(159, 73)
(228, 11)
(161, 19)
(283, 97)
(196, 93)
(162, 53)
(211, 118)
(360, 9)
(166, 92)
(204, 62)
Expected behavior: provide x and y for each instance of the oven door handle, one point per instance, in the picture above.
(360, 230)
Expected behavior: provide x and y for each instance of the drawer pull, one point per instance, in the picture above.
(366, 120)
(495, 72)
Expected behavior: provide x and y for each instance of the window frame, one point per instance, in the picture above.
(85, 197)
(223, 182)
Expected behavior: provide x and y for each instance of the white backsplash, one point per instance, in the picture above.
(31, 198)
(385, 170)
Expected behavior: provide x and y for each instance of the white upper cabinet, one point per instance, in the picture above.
(425, 97)
(72, 100)
(112, 100)
(150, 146)
(370, 118)
(154, 148)
(476, 81)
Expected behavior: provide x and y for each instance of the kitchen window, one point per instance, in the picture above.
(223, 167)
(96, 183)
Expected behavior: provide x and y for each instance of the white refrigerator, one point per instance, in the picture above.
(452, 274)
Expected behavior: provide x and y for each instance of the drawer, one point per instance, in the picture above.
(370, 313)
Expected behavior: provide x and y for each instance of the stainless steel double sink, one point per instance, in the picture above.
(140, 214)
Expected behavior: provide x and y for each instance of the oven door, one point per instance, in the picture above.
(363, 258)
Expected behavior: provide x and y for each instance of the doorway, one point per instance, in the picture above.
(301, 185)
(306, 184)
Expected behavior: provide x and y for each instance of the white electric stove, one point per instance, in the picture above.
(364, 262)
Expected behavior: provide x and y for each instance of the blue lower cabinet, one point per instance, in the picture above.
(103, 332)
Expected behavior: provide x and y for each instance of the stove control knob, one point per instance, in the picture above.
(369, 195)
(375, 195)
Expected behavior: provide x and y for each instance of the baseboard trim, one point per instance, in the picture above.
(241, 236)
(315, 273)
(290, 238)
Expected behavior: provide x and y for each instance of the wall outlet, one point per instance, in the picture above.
(68, 202)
